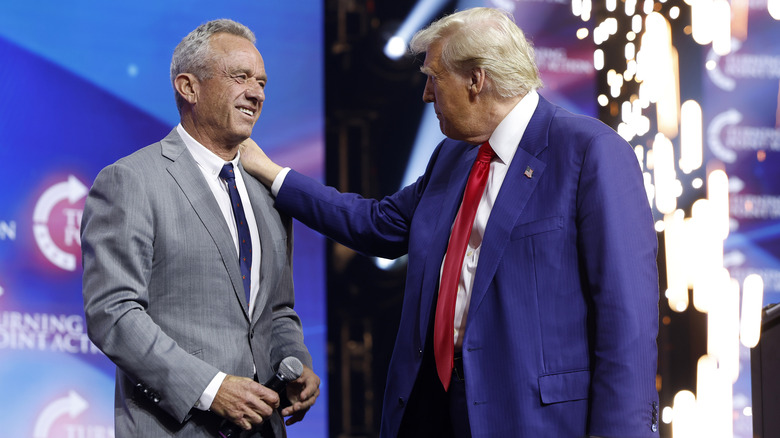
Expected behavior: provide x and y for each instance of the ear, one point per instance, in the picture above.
(187, 85)
(477, 81)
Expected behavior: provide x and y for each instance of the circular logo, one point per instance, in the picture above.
(57, 222)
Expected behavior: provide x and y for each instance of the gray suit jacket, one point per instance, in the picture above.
(163, 295)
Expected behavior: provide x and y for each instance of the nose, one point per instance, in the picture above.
(255, 91)
(428, 95)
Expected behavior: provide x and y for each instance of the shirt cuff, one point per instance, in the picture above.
(279, 180)
(207, 398)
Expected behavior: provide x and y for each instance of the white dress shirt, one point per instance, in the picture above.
(504, 142)
(210, 165)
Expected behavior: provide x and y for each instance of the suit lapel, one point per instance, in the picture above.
(187, 174)
(512, 198)
(447, 208)
(262, 206)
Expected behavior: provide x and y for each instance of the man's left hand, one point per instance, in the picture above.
(302, 393)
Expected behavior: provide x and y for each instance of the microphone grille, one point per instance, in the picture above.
(290, 369)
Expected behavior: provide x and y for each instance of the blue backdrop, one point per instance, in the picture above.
(83, 83)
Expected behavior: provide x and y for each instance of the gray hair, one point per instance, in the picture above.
(193, 53)
(486, 38)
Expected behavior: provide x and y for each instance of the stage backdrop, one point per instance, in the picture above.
(741, 108)
(83, 83)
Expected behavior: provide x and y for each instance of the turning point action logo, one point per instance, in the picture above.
(63, 417)
(57, 221)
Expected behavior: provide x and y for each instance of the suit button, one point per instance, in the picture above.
(252, 334)
(419, 353)
(401, 401)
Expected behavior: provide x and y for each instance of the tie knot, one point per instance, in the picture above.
(486, 153)
(227, 172)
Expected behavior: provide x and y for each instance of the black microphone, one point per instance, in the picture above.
(290, 369)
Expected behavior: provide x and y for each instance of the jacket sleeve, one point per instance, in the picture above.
(617, 241)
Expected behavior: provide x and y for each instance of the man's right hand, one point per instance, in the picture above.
(244, 401)
(257, 163)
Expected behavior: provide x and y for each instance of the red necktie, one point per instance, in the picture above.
(444, 330)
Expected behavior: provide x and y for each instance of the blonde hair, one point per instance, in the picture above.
(483, 38)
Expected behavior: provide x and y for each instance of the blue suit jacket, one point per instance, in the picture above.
(561, 331)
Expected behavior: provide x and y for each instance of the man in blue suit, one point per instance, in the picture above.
(555, 318)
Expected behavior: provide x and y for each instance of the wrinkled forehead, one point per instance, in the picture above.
(432, 62)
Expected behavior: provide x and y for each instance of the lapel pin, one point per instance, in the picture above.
(529, 173)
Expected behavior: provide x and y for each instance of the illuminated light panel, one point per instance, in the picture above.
(625, 112)
(599, 35)
(684, 424)
(603, 100)
(630, 7)
(675, 246)
(691, 152)
(626, 131)
(774, 8)
(576, 7)
(615, 82)
(718, 195)
(636, 23)
(674, 12)
(582, 33)
(723, 325)
(701, 21)
(667, 414)
(664, 174)
(598, 59)
(653, 55)
(752, 299)
(611, 5)
(707, 253)
(639, 151)
(630, 51)
(706, 394)
(721, 29)
(714, 399)
(658, 73)
(587, 8)
(630, 70)
(668, 106)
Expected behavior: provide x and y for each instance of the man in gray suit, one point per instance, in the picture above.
(164, 290)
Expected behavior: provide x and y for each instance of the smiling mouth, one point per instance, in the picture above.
(247, 112)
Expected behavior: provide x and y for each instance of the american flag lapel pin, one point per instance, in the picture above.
(529, 173)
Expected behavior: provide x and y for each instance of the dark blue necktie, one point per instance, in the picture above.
(244, 239)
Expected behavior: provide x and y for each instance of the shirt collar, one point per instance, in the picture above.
(207, 160)
(506, 138)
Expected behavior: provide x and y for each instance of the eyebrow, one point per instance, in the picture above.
(248, 73)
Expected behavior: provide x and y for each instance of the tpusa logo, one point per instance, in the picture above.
(57, 220)
(724, 71)
(726, 136)
(66, 417)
